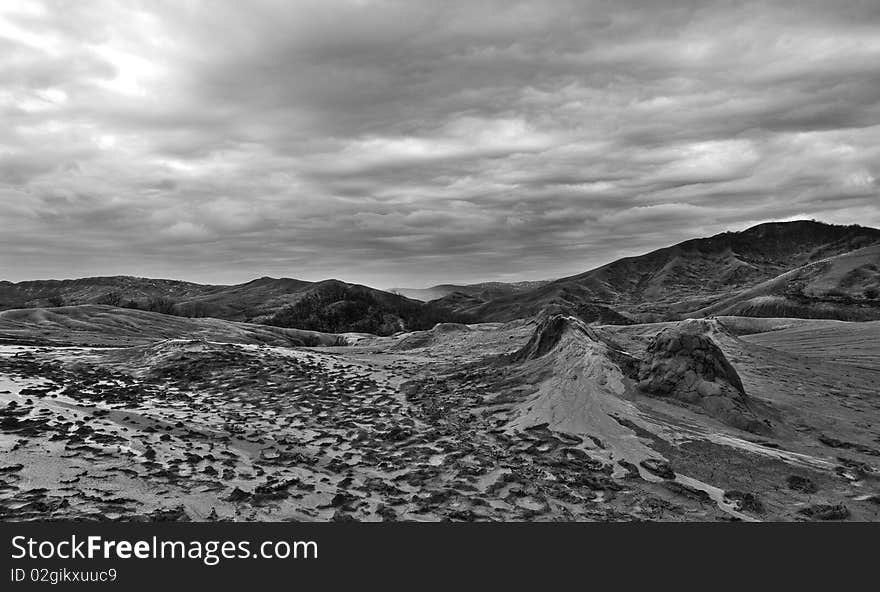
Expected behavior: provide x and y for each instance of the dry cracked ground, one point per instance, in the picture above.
(532, 420)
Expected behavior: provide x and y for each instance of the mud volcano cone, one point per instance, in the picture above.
(549, 333)
(684, 363)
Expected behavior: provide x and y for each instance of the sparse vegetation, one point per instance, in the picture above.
(193, 310)
(161, 305)
(341, 308)
(111, 299)
(156, 304)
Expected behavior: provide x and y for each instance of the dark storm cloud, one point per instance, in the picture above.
(419, 142)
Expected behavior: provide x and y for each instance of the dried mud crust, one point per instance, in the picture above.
(461, 429)
(277, 434)
(768, 487)
(544, 474)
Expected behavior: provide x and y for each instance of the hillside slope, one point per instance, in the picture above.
(854, 344)
(482, 291)
(336, 307)
(671, 282)
(560, 298)
(114, 290)
(845, 287)
(330, 305)
(106, 325)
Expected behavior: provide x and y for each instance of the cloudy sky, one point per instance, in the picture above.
(417, 142)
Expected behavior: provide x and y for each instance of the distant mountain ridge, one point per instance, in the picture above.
(802, 268)
(483, 290)
(677, 281)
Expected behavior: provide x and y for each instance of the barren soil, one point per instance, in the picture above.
(444, 424)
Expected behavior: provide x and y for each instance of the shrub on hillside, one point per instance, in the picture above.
(111, 299)
(341, 309)
(161, 305)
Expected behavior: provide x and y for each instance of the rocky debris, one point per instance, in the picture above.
(629, 364)
(689, 491)
(176, 514)
(397, 434)
(632, 471)
(272, 491)
(341, 516)
(825, 512)
(802, 484)
(658, 467)
(238, 495)
(747, 502)
(685, 364)
(835, 443)
(33, 504)
(387, 513)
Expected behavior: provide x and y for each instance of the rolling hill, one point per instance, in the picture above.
(483, 291)
(692, 277)
(554, 298)
(95, 324)
(114, 290)
(844, 287)
(330, 305)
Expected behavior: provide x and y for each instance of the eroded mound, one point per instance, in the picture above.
(549, 333)
(451, 328)
(190, 359)
(439, 333)
(684, 363)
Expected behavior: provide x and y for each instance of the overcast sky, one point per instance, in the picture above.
(411, 143)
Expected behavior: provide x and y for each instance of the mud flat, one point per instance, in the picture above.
(495, 422)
